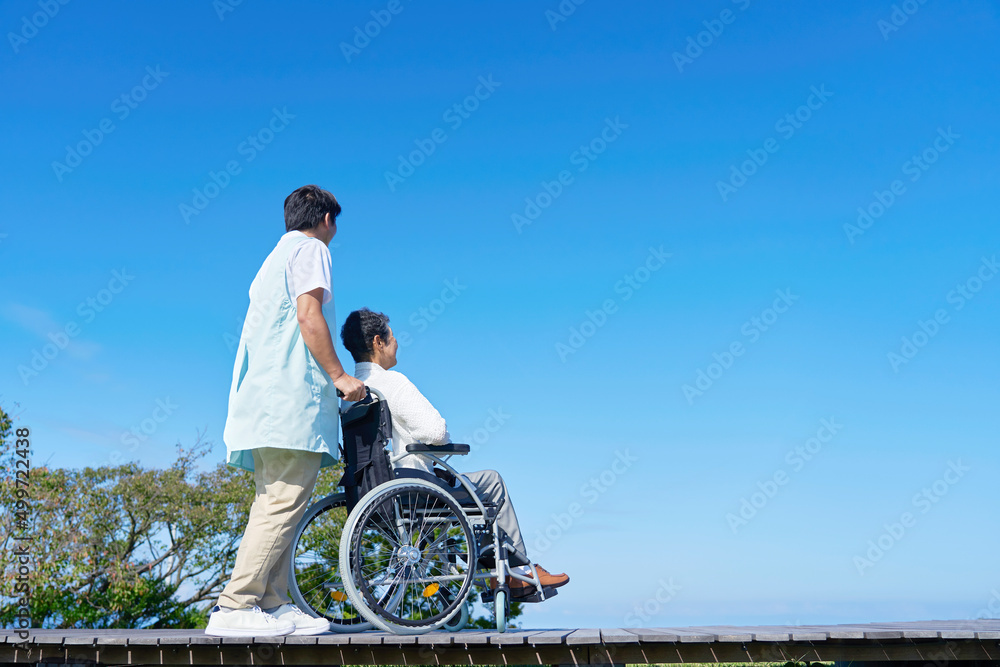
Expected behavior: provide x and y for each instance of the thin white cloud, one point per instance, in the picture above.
(45, 326)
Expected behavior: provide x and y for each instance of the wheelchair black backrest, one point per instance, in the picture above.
(367, 429)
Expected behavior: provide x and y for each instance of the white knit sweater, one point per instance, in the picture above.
(414, 419)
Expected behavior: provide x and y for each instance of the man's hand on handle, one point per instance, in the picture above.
(350, 387)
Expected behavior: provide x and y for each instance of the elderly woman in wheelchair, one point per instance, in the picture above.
(418, 533)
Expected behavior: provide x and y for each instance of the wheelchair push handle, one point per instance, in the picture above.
(370, 394)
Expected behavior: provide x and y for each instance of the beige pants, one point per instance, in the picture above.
(285, 479)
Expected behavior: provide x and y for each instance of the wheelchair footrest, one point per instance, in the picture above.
(550, 592)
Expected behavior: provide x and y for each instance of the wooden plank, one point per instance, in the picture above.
(113, 640)
(515, 638)
(584, 636)
(618, 636)
(948, 633)
(436, 638)
(80, 640)
(724, 633)
(390, 639)
(206, 640)
(684, 635)
(548, 637)
(775, 633)
(367, 638)
(473, 637)
(654, 635)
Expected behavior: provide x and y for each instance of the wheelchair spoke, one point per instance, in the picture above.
(419, 577)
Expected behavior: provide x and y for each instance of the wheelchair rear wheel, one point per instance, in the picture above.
(315, 582)
(412, 557)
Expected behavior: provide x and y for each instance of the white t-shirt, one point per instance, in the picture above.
(414, 419)
(309, 266)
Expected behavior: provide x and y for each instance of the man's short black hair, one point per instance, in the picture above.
(359, 331)
(306, 207)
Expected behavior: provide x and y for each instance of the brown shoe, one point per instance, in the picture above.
(545, 578)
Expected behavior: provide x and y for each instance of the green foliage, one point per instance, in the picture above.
(112, 546)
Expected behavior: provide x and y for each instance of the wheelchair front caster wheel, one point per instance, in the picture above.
(500, 609)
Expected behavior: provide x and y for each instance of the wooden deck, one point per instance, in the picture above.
(928, 644)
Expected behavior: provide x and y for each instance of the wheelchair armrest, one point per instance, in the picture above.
(450, 448)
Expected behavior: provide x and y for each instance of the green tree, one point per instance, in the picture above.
(113, 546)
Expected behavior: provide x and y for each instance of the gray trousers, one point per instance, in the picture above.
(491, 488)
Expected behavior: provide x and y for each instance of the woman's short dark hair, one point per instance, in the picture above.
(306, 207)
(359, 331)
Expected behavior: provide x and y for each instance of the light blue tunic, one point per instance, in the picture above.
(280, 396)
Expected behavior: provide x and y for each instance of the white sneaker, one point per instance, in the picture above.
(304, 623)
(252, 622)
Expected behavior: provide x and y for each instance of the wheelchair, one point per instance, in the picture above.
(400, 549)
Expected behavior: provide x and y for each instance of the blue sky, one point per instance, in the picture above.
(557, 182)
